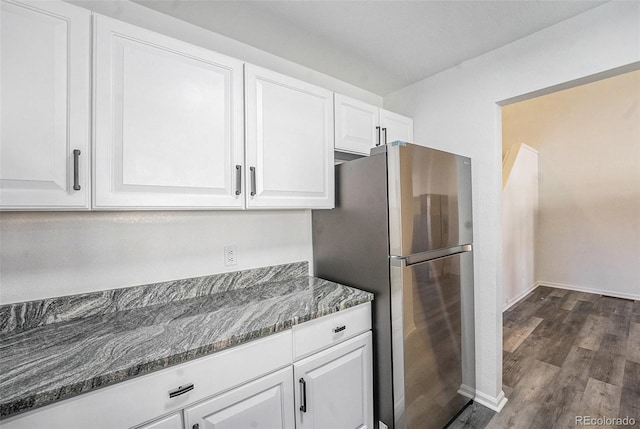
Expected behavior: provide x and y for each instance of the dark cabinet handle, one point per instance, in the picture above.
(238, 179)
(378, 129)
(340, 328)
(76, 169)
(253, 180)
(181, 390)
(303, 395)
(384, 130)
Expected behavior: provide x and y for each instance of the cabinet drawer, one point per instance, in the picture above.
(326, 331)
(143, 399)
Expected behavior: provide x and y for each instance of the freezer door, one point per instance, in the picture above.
(429, 199)
(433, 340)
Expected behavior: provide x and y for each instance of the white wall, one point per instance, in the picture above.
(519, 214)
(52, 254)
(456, 110)
(589, 220)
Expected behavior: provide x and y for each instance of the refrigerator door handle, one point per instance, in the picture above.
(418, 258)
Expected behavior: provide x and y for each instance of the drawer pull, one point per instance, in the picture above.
(180, 390)
(340, 328)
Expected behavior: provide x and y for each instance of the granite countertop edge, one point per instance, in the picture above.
(14, 407)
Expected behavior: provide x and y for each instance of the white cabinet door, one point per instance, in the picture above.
(173, 421)
(45, 98)
(356, 123)
(289, 144)
(397, 127)
(266, 403)
(168, 122)
(335, 387)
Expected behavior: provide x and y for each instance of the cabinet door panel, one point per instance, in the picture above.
(168, 121)
(356, 124)
(174, 421)
(398, 127)
(338, 387)
(45, 105)
(289, 141)
(266, 403)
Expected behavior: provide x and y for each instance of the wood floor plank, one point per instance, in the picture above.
(525, 397)
(519, 363)
(619, 324)
(549, 307)
(607, 367)
(559, 292)
(592, 332)
(517, 335)
(579, 314)
(520, 312)
(569, 301)
(629, 407)
(558, 408)
(585, 296)
(608, 306)
(631, 379)
(600, 399)
(560, 343)
(633, 344)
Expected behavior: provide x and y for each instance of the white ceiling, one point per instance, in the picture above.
(380, 46)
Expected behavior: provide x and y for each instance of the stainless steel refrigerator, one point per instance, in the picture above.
(402, 229)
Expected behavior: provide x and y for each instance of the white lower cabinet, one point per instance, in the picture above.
(335, 387)
(173, 421)
(266, 403)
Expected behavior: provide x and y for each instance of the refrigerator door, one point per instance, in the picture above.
(429, 199)
(433, 340)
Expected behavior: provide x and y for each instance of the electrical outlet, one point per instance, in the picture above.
(230, 255)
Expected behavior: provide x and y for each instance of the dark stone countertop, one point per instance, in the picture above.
(47, 361)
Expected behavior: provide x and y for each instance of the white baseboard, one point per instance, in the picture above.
(634, 297)
(495, 403)
(467, 391)
(516, 299)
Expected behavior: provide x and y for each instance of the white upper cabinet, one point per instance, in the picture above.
(45, 98)
(361, 126)
(168, 122)
(356, 125)
(395, 127)
(289, 146)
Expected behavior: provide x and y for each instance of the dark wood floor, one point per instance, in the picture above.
(566, 354)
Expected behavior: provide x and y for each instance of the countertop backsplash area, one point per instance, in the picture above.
(31, 314)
